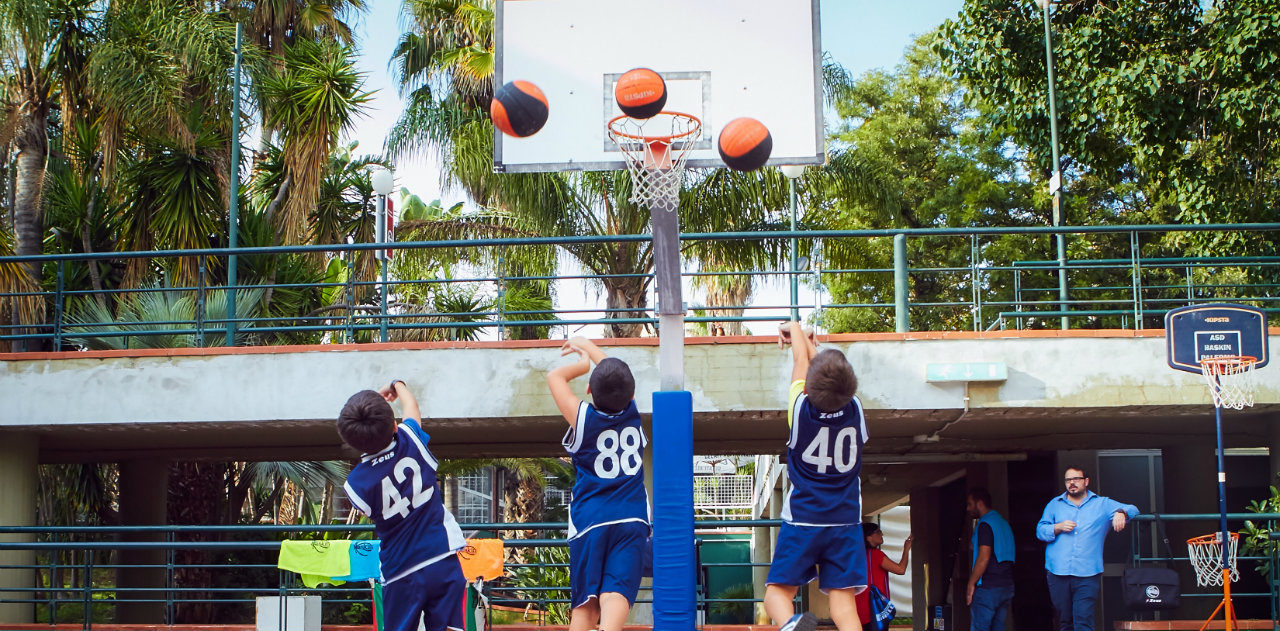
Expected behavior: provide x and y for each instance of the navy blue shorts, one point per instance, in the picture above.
(435, 593)
(607, 558)
(835, 555)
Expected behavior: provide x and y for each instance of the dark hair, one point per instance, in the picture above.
(366, 422)
(1083, 472)
(979, 494)
(830, 382)
(612, 386)
(869, 528)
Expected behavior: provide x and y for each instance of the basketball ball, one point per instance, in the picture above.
(640, 93)
(519, 109)
(745, 144)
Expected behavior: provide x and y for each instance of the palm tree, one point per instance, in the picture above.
(524, 483)
(315, 99)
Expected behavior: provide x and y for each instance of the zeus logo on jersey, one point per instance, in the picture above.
(609, 461)
(393, 502)
(819, 454)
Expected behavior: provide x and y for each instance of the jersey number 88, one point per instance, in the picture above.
(610, 462)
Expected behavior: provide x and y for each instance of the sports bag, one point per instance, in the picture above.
(1152, 588)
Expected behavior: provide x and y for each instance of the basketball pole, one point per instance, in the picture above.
(674, 555)
(1228, 612)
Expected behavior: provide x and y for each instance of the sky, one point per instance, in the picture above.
(862, 35)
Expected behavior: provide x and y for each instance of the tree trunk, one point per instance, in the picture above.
(625, 293)
(86, 242)
(32, 144)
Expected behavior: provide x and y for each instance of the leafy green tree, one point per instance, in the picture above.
(1168, 108)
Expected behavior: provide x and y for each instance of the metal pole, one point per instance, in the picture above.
(666, 271)
(233, 203)
(380, 233)
(795, 264)
(1222, 499)
(1056, 182)
(901, 317)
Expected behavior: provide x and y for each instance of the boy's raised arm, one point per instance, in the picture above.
(802, 348)
(408, 404)
(558, 380)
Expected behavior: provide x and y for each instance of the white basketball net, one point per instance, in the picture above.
(1230, 380)
(1206, 558)
(656, 150)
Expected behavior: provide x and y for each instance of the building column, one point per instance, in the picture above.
(144, 489)
(1273, 435)
(19, 457)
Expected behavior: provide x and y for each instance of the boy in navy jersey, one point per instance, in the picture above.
(821, 534)
(395, 484)
(609, 514)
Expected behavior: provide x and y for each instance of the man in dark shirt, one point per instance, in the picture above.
(991, 576)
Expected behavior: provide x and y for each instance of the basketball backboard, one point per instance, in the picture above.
(1215, 330)
(721, 59)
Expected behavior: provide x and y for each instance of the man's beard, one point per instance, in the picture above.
(1076, 494)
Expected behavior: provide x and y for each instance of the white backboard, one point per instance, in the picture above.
(721, 59)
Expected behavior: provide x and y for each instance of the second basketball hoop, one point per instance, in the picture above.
(656, 149)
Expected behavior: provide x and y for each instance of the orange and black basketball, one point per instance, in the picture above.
(519, 109)
(745, 144)
(640, 93)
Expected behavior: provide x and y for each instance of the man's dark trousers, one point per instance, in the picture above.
(1074, 597)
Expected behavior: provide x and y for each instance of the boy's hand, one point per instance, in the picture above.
(388, 393)
(784, 334)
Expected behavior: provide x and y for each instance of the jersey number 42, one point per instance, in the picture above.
(393, 503)
(819, 452)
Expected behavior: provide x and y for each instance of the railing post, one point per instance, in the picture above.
(502, 293)
(233, 201)
(975, 309)
(88, 589)
(57, 309)
(200, 301)
(1136, 257)
(901, 281)
(351, 297)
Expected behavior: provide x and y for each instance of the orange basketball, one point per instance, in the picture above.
(640, 93)
(519, 109)
(745, 144)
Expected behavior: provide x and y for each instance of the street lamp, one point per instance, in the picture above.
(792, 172)
(383, 180)
(1055, 181)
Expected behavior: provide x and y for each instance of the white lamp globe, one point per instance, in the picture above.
(383, 181)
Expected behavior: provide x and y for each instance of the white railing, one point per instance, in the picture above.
(724, 496)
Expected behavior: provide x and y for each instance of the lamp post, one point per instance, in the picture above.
(793, 172)
(382, 181)
(1055, 181)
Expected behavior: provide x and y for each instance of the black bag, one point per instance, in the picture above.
(1152, 588)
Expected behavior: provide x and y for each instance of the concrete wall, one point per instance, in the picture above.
(498, 382)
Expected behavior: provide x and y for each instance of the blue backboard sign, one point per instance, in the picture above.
(1215, 330)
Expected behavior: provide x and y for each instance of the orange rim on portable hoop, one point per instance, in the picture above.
(1230, 380)
(1205, 554)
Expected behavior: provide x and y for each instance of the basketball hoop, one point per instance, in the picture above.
(1206, 558)
(1230, 380)
(656, 150)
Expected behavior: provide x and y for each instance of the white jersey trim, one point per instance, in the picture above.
(795, 420)
(426, 453)
(456, 542)
(404, 573)
(572, 440)
(575, 535)
(357, 500)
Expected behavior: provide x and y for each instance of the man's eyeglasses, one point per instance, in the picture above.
(1075, 479)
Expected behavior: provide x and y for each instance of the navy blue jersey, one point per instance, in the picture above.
(608, 454)
(824, 457)
(397, 488)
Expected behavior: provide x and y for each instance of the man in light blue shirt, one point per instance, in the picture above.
(1074, 525)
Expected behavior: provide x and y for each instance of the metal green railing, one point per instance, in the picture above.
(989, 290)
(240, 564)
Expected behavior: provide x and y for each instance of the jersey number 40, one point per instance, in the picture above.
(609, 463)
(393, 503)
(819, 452)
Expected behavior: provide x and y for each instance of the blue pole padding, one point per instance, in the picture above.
(674, 564)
